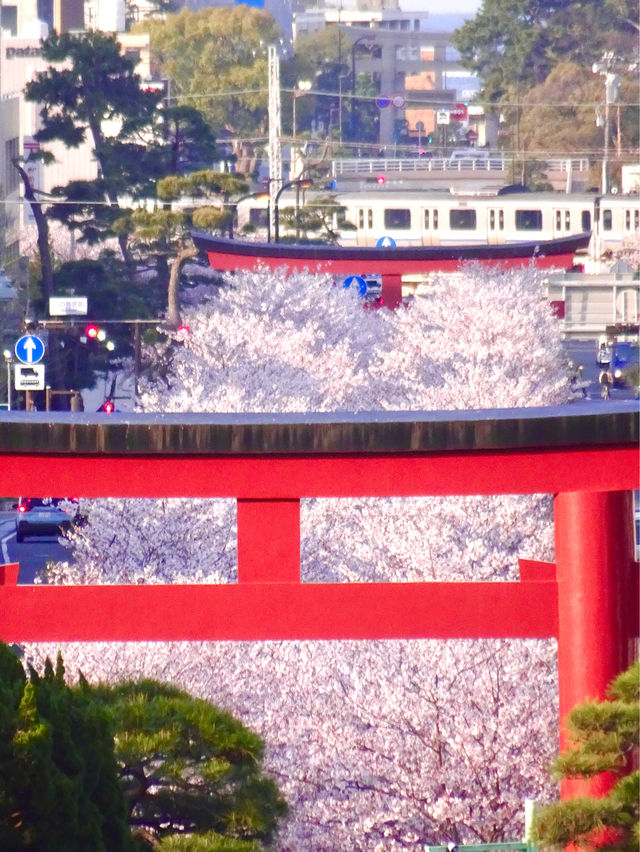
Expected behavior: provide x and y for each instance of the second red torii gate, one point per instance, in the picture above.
(587, 456)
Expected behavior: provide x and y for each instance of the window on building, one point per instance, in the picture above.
(462, 220)
(397, 218)
(528, 220)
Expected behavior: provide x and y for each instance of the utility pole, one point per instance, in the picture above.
(275, 124)
(611, 95)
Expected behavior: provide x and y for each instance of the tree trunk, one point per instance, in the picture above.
(42, 226)
(173, 301)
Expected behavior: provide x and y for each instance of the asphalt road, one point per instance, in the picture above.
(33, 554)
(584, 352)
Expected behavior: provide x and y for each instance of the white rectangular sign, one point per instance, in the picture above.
(443, 117)
(64, 306)
(29, 376)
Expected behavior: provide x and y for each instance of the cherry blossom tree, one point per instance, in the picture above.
(386, 745)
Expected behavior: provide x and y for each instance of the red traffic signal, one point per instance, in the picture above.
(381, 179)
(107, 406)
(92, 331)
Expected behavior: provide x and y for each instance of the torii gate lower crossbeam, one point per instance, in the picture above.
(587, 456)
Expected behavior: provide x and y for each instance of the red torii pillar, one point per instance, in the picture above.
(597, 604)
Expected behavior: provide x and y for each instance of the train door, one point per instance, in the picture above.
(364, 225)
(562, 224)
(429, 226)
(495, 225)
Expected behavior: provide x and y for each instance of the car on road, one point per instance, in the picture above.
(44, 516)
(603, 353)
(624, 356)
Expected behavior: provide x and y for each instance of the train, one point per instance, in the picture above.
(414, 217)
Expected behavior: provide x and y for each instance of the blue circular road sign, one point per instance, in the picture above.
(29, 349)
(383, 102)
(386, 242)
(358, 281)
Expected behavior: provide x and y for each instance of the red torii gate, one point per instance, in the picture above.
(586, 455)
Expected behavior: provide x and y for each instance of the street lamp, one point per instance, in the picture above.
(302, 183)
(9, 359)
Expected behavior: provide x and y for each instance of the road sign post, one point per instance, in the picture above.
(29, 349)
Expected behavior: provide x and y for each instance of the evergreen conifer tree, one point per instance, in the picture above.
(604, 736)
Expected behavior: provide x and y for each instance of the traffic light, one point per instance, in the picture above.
(107, 407)
(94, 332)
(430, 139)
(380, 179)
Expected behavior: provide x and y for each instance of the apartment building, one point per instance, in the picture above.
(410, 64)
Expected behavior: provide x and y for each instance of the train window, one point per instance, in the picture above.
(528, 220)
(462, 220)
(501, 220)
(607, 220)
(435, 220)
(558, 219)
(259, 217)
(369, 218)
(397, 218)
(586, 220)
(567, 220)
(426, 220)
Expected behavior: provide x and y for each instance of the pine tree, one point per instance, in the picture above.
(604, 736)
(59, 785)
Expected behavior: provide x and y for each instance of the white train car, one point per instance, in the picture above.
(414, 217)
(439, 218)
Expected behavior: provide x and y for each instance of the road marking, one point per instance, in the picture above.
(5, 551)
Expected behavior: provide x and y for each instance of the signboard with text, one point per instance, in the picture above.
(63, 306)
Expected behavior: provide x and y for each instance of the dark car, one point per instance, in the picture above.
(46, 516)
(623, 357)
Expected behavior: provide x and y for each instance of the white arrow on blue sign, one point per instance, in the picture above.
(358, 281)
(386, 242)
(29, 349)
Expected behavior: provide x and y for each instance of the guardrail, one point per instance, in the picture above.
(374, 166)
(484, 847)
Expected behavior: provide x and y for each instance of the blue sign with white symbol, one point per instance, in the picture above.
(358, 281)
(29, 349)
(383, 102)
(386, 242)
